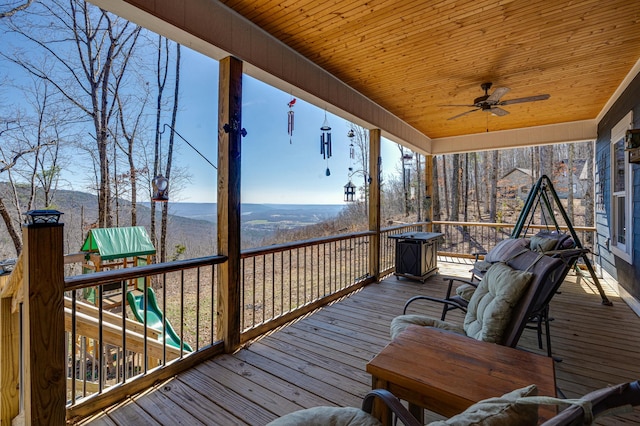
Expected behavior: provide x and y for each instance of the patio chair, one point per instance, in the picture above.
(540, 312)
(506, 298)
(518, 407)
(345, 416)
(606, 401)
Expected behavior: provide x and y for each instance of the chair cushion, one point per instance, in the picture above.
(465, 291)
(492, 303)
(400, 323)
(502, 411)
(324, 416)
(542, 244)
(506, 249)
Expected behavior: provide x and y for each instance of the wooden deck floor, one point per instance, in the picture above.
(320, 359)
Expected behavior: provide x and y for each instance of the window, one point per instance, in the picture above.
(621, 192)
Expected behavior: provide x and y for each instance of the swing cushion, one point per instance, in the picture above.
(506, 249)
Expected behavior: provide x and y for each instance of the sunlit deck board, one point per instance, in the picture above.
(320, 359)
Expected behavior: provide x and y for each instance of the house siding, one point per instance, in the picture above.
(628, 275)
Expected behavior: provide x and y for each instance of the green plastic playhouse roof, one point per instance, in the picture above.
(118, 243)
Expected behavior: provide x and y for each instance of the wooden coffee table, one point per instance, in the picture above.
(446, 373)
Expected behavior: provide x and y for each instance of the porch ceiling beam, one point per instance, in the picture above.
(217, 31)
(576, 131)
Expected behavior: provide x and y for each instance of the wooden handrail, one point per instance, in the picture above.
(508, 225)
(300, 244)
(78, 282)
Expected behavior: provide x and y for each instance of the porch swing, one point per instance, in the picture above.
(544, 195)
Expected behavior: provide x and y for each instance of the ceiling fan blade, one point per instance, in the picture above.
(497, 94)
(498, 111)
(464, 113)
(527, 99)
(450, 105)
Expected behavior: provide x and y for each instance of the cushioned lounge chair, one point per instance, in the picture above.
(540, 312)
(503, 302)
(518, 407)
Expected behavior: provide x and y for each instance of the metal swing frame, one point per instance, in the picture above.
(541, 195)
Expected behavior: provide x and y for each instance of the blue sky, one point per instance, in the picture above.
(273, 170)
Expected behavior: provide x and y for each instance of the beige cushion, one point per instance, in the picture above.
(400, 323)
(502, 411)
(465, 291)
(542, 244)
(326, 416)
(492, 303)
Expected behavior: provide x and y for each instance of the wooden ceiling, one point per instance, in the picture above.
(413, 56)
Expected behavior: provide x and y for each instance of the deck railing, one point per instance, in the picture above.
(284, 281)
(465, 239)
(108, 350)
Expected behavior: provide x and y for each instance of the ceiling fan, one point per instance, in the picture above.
(492, 103)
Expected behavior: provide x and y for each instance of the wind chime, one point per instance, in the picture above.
(325, 142)
(352, 151)
(350, 188)
(290, 104)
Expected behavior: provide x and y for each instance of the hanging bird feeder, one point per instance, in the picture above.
(325, 142)
(290, 104)
(349, 192)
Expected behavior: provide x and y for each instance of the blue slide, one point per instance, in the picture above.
(154, 316)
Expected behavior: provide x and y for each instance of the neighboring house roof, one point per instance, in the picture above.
(118, 243)
(517, 169)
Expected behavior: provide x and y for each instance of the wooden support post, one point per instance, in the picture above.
(9, 362)
(374, 202)
(229, 143)
(428, 191)
(44, 378)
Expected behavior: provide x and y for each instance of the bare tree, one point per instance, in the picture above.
(455, 188)
(493, 185)
(10, 8)
(162, 72)
(103, 45)
(174, 114)
(570, 172)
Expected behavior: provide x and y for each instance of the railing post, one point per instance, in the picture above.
(229, 137)
(374, 202)
(9, 361)
(44, 378)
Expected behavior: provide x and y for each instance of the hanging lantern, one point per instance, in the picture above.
(160, 189)
(290, 118)
(349, 192)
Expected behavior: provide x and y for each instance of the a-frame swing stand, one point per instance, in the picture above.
(542, 194)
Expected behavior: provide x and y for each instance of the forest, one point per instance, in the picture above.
(89, 96)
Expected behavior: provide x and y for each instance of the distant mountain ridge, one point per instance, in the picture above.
(292, 213)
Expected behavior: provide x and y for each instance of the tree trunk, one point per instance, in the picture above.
(570, 181)
(445, 185)
(589, 209)
(465, 194)
(11, 229)
(455, 188)
(493, 186)
(174, 113)
(435, 199)
(161, 79)
(476, 178)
